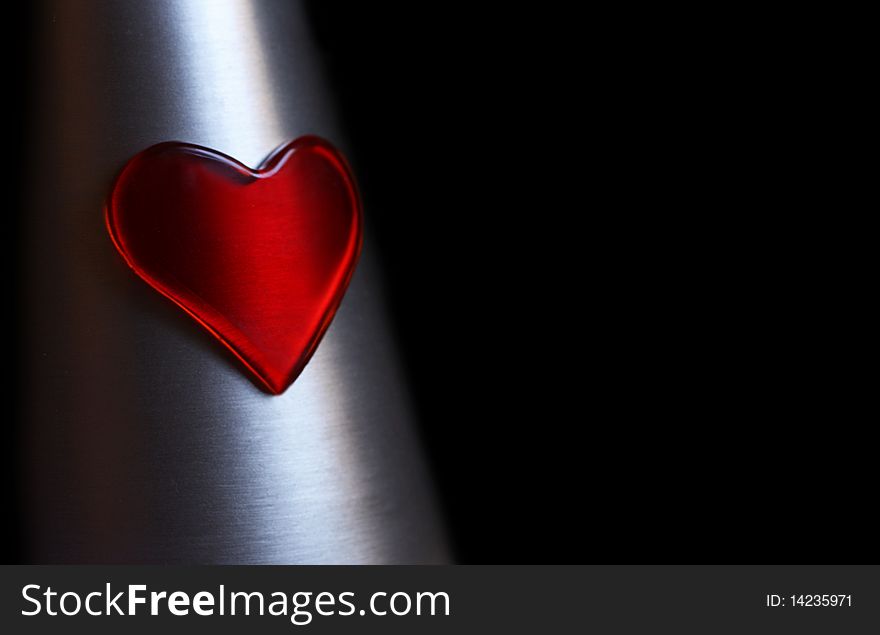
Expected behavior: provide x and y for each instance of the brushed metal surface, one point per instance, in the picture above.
(144, 442)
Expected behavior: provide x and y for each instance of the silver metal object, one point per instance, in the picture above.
(143, 441)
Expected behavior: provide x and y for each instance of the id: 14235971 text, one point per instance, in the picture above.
(814, 600)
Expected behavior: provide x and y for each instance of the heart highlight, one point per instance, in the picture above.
(260, 258)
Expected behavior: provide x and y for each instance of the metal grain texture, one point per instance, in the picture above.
(143, 441)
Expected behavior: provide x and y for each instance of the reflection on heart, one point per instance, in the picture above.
(260, 258)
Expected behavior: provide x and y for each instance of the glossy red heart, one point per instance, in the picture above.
(260, 258)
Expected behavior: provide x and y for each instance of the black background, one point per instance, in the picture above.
(604, 310)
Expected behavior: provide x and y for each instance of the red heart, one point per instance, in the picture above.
(261, 258)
